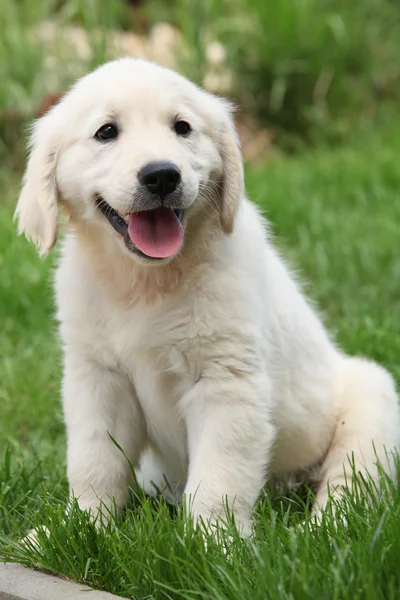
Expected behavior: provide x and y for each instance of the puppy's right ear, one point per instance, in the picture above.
(37, 208)
(232, 177)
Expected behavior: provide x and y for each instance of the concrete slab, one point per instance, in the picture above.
(20, 583)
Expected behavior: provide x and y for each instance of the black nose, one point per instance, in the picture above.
(160, 178)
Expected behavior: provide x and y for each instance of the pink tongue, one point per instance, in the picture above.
(157, 233)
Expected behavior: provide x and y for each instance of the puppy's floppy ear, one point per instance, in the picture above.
(37, 208)
(232, 175)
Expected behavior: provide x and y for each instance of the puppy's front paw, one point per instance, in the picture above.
(32, 539)
(224, 529)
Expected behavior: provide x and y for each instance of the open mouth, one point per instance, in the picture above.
(154, 234)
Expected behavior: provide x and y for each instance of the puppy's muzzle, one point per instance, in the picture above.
(153, 227)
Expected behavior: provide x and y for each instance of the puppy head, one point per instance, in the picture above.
(137, 151)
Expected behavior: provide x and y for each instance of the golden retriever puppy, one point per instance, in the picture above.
(185, 336)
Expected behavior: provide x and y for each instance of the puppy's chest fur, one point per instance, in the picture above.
(162, 348)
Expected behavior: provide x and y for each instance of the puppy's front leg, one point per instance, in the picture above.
(98, 403)
(229, 438)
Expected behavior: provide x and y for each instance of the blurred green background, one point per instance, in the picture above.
(303, 72)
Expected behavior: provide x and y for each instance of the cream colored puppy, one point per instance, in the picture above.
(185, 336)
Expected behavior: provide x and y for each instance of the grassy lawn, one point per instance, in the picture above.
(336, 216)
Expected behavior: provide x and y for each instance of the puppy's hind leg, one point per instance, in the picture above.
(155, 478)
(368, 428)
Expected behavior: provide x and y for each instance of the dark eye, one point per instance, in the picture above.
(106, 132)
(182, 127)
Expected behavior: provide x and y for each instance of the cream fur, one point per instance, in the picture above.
(212, 371)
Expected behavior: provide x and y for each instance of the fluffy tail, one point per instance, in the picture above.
(368, 429)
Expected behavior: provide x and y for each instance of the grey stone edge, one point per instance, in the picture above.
(19, 583)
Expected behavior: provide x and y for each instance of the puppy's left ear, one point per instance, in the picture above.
(232, 175)
(37, 208)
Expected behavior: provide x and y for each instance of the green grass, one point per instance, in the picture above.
(336, 216)
(309, 70)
